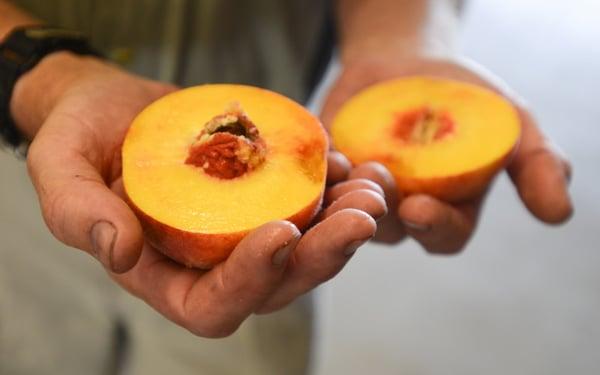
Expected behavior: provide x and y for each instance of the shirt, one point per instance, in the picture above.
(282, 45)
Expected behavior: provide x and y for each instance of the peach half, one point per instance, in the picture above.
(439, 137)
(204, 166)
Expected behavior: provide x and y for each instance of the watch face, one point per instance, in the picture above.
(45, 32)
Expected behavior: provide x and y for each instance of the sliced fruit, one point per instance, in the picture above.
(436, 136)
(204, 166)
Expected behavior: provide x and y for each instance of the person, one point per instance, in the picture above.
(75, 109)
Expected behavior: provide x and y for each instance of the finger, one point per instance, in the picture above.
(377, 173)
(390, 229)
(437, 226)
(338, 167)
(365, 200)
(215, 303)
(343, 188)
(78, 207)
(321, 254)
(541, 175)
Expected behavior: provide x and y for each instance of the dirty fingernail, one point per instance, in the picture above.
(416, 226)
(103, 236)
(281, 256)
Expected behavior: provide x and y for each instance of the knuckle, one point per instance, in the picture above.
(34, 156)
(52, 199)
(53, 212)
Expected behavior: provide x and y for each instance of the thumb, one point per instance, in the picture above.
(78, 207)
(541, 175)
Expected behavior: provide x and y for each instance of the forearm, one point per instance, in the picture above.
(396, 28)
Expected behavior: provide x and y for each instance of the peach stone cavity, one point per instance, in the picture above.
(229, 146)
(422, 125)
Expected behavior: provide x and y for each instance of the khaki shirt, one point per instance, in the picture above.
(59, 313)
(270, 43)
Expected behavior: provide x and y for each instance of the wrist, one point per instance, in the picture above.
(374, 48)
(36, 93)
(394, 48)
(396, 30)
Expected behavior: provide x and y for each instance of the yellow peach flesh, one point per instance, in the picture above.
(486, 129)
(183, 197)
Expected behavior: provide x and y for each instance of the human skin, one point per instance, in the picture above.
(386, 39)
(76, 111)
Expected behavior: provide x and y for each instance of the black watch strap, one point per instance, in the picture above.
(21, 50)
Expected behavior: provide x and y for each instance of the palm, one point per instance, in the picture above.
(76, 168)
(539, 173)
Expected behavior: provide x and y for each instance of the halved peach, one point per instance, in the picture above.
(204, 166)
(439, 137)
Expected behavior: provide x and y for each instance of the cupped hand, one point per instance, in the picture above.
(539, 171)
(74, 163)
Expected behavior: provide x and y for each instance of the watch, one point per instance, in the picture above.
(21, 50)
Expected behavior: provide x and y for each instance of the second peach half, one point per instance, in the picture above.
(437, 136)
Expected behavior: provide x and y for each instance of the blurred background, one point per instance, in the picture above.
(523, 298)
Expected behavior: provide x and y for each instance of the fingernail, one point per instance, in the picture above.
(416, 226)
(353, 246)
(103, 236)
(281, 256)
(378, 218)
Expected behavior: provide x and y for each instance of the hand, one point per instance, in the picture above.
(74, 163)
(539, 171)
